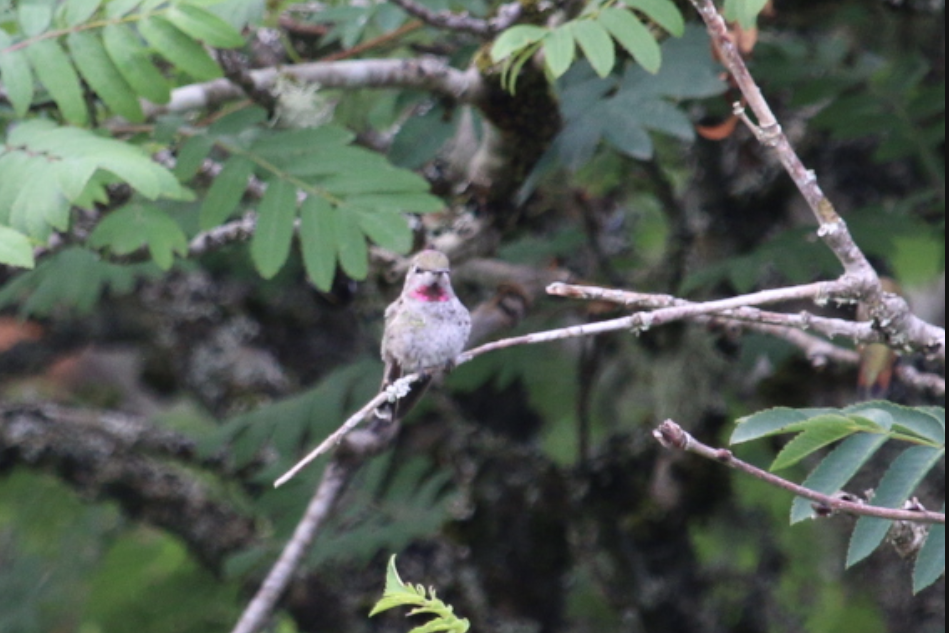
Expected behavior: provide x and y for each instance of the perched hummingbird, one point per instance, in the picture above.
(426, 327)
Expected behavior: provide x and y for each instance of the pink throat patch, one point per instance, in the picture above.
(430, 293)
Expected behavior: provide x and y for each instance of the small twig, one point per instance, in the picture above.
(789, 327)
(335, 478)
(890, 313)
(671, 435)
(337, 436)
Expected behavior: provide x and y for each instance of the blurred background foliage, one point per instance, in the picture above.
(527, 488)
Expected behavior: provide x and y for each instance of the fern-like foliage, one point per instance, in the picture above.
(341, 195)
(46, 168)
(861, 431)
(110, 46)
(398, 593)
(594, 32)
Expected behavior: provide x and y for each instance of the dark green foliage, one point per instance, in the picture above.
(868, 426)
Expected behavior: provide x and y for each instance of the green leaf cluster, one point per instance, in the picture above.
(595, 32)
(621, 111)
(398, 593)
(340, 195)
(109, 46)
(745, 12)
(45, 168)
(72, 279)
(861, 431)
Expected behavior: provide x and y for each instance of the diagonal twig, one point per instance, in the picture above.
(671, 435)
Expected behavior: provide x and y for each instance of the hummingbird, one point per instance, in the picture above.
(425, 328)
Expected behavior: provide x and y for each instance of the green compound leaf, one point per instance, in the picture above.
(134, 63)
(931, 559)
(56, 72)
(819, 433)
(515, 39)
(771, 422)
(318, 241)
(179, 48)
(899, 482)
(226, 191)
(16, 76)
(204, 25)
(15, 249)
(133, 226)
(665, 13)
(595, 41)
(103, 76)
(634, 37)
(839, 467)
(350, 243)
(273, 236)
(559, 50)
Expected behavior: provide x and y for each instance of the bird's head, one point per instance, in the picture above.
(429, 277)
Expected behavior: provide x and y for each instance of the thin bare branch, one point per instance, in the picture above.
(890, 313)
(337, 436)
(671, 435)
(335, 478)
(789, 327)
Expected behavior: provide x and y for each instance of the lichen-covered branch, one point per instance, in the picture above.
(427, 73)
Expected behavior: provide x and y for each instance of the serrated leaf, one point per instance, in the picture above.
(73, 175)
(226, 191)
(14, 167)
(665, 13)
(634, 37)
(78, 11)
(388, 229)
(351, 244)
(39, 204)
(134, 63)
(559, 50)
(103, 76)
(770, 422)
(595, 42)
(182, 51)
(317, 240)
(15, 249)
(839, 467)
(915, 421)
(55, 71)
(190, 157)
(898, 483)
(515, 39)
(204, 25)
(16, 76)
(818, 434)
(273, 236)
(302, 142)
(133, 226)
(405, 202)
(931, 559)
